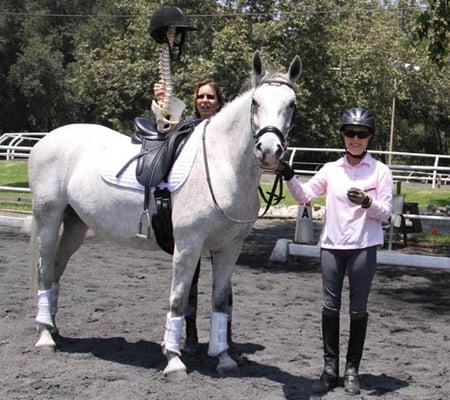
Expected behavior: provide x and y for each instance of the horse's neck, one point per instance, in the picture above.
(230, 142)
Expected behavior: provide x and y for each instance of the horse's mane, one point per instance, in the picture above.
(273, 75)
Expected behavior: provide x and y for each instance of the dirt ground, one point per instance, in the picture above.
(112, 314)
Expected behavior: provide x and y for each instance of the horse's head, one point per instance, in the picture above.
(273, 111)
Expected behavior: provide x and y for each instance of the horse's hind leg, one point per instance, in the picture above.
(54, 255)
(48, 220)
(74, 232)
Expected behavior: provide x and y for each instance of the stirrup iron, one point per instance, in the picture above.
(145, 217)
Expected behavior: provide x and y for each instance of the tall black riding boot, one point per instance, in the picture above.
(358, 328)
(330, 374)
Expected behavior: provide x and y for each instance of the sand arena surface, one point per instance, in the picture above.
(112, 314)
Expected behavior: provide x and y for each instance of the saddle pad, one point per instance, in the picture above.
(177, 176)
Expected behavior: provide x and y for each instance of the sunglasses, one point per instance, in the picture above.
(208, 96)
(360, 134)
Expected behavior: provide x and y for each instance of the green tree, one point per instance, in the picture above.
(433, 26)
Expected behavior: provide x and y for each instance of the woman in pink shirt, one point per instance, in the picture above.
(358, 192)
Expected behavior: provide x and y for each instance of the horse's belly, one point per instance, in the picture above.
(108, 210)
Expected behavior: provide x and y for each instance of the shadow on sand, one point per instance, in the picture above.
(147, 354)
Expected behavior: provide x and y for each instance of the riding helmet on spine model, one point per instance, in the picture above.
(169, 16)
(358, 117)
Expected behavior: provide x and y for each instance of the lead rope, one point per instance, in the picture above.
(211, 191)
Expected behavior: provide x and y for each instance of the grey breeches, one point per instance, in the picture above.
(360, 265)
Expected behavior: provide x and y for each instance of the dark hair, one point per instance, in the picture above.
(216, 88)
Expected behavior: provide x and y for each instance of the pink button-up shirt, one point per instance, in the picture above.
(348, 225)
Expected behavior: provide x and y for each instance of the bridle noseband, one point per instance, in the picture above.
(283, 137)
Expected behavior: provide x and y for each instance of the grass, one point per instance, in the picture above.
(437, 239)
(14, 174)
(438, 197)
(288, 200)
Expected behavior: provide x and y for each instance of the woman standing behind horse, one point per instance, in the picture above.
(208, 101)
(359, 199)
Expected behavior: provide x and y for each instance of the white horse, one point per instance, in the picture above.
(249, 133)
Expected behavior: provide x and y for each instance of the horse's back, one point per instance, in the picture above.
(69, 138)
(64, 146)
(55, 157)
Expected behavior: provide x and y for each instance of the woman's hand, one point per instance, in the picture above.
(285, 170)
(159, 91)
(359, 197)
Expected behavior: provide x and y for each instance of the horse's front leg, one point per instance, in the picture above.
(223, 262)
(184, 265)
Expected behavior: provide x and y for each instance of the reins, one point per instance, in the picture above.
(273, 199)
(208, 179)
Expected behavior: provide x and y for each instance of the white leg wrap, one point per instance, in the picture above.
(55, 296)
(172, 336)
(44, 309)
(218, 334)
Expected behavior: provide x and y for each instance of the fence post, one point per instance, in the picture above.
(436, 163)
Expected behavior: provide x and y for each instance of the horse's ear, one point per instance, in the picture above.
(295, 69)
(258, 69)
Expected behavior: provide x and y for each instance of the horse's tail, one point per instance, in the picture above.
(34, 259)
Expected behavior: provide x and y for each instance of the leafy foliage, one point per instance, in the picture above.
(64, 61)
(434, 26)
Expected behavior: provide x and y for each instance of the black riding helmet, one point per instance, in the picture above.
(358, 117)
(165, 17)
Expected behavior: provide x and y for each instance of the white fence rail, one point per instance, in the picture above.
(436, 174)
(18, 145)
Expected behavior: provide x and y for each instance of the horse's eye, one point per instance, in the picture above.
(254, 104)
(292, 104)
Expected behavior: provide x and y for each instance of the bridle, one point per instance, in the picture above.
(284, 139)
(285, 136)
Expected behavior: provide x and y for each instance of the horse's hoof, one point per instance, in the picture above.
(45, 342)
(175, 370)
(227, 366)
(176, 376)
(44, 349)
(241, 361)
(233, 372)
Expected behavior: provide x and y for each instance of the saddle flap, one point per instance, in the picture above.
(158, 155)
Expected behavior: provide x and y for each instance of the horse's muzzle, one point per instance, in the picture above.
(268, 155)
